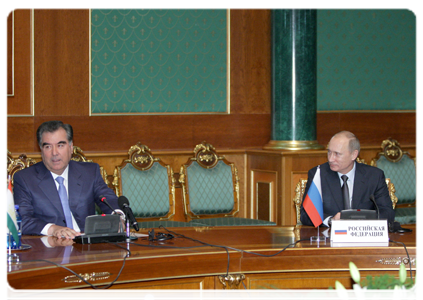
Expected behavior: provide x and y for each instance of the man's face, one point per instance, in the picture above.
(339, 156)
(56, 151)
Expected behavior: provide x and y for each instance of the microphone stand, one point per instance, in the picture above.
(128, 233)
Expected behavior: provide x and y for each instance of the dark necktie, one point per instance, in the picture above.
(63, 194)
(345, 193)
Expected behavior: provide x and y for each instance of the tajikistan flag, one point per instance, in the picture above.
(313, 202)
(12, 225)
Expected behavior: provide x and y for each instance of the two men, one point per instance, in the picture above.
(40, 189)
(363, 182)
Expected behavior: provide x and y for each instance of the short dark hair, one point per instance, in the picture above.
(52, 126)
(354, 143)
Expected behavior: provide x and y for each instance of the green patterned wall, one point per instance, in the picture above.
(159, 61)
(366, 60)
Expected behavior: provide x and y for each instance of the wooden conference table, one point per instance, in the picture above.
(216, 262)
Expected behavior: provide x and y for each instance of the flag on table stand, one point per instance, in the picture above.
(12, 225)
(313, 203)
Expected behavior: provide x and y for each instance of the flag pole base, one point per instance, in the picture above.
(12, 258)
(318, 239)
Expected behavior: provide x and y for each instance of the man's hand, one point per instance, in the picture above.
(55, 242)
(337, 216)
(62, 232)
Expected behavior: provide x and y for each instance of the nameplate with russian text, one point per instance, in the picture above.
(359, 233)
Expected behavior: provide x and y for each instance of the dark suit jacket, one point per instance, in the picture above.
(39, 203)
(368, 181)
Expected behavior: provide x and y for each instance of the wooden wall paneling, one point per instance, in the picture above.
(61, 43)
(62, 91)
(289, 166)
(176, 132)
(371, 128)
(20, 103)
(264, 191)
(250, 61)
(263, 166)
(21, 135)
(10, 52)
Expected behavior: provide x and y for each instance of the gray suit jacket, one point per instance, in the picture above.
(39, 203)
(368, 181)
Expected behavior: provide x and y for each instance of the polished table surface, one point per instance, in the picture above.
(208, 253)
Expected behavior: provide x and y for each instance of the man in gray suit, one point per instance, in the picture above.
(56, 195)
(363, 182)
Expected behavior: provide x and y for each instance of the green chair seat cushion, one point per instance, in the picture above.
(166, 224)
(405, 215)
(233, 221)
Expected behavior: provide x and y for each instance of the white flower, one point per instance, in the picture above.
(341, 291)
(355, 273)
(397, 293)
(402, 273)
(359, 292)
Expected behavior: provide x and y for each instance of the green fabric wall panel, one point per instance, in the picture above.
(159, 61)
(366, 60)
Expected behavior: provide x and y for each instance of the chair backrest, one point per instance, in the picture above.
(400, 167)
(298, 198)
(16, 164)
(79, 155)
(8, 160)
(300, 188)
(148, 184)
(210, 185)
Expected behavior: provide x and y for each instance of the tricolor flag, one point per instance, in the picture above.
(313, 203)
(12, 225)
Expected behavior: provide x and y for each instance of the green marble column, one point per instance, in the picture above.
(294, 77)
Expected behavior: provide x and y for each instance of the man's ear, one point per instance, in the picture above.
(354, 154)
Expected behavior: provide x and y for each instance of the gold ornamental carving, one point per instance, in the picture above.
(231, 281)
(397, 261)
(86, 277)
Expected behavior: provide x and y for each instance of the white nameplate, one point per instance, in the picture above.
(359, 233)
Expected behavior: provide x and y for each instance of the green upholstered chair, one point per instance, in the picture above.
(300, 188)
(400, 167)
(148, 184)
(211, 190)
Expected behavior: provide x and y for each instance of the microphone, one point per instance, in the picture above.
(124, 205)
(103, 199)
(374, 202)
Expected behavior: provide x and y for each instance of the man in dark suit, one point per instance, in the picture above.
(40, 192)
(363, 181)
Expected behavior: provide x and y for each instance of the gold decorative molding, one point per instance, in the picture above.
(231, 281)
(87, 277)
(292, 145)
(397, 261)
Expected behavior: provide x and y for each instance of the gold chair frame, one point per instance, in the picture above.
(206, 156)
(79, 155)
(16, 164)
(141, 158)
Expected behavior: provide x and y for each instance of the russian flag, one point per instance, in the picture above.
(313, 203)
